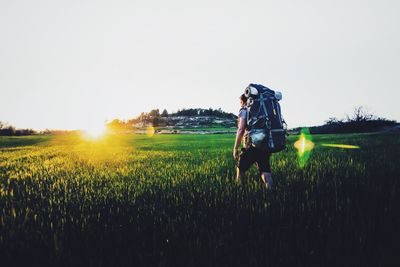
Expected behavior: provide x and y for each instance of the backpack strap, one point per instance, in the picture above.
(262, 106)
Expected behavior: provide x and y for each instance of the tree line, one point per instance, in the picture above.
(155, 118)
(9, 130)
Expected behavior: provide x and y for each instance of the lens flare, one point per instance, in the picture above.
(304, 146)
(150, 131)
(341, 146)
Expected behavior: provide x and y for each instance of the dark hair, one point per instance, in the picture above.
(243, 97)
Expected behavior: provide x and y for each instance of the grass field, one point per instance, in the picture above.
(170, 200)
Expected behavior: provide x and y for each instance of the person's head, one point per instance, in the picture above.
(243, 100)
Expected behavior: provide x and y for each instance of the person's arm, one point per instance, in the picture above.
(239, 135)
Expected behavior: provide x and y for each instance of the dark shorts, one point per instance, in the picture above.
(250, 155)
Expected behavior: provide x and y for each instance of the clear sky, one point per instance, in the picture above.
(64, 64)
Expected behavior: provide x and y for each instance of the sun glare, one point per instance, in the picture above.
(94, 131)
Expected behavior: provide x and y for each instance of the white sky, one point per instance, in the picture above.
(66, 64)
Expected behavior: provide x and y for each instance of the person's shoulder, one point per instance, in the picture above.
(243, 113)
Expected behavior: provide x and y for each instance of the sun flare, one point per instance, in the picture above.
(303, 144)
(94, 131)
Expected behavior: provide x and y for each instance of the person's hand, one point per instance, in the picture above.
(235, 154)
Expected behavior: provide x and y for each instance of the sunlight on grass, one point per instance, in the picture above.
(100, 147)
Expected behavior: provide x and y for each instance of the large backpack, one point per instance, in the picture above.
(265, 125)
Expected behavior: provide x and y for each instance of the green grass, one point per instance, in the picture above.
(171, 200)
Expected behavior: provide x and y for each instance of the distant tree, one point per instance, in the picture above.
(153, 117)
(131, 122)
(360, 114)
(156, 119)
(359, 121)
(154, 113)
(117, 124)
(7, 130)
(164, 113)
(333, 120)
(24, 132)
(204, 112)
(142, 117)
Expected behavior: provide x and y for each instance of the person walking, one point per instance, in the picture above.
(250, 154)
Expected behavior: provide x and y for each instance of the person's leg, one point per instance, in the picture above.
(241, 176)
(246, 159)
(264, 168)
(266, 180)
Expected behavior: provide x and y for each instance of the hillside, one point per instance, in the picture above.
(185, 118)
